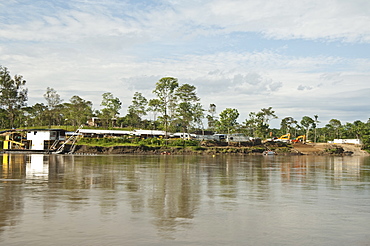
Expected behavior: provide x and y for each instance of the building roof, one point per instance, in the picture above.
(121, 132)
(94, 131)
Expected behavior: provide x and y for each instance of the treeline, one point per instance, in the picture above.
(175, 108)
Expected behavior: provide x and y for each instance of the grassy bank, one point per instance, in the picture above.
(175, 146)
(150, 142)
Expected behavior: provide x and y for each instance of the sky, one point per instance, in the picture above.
(302, 58)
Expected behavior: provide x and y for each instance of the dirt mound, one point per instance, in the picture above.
(357, 151)
(321, 148)
(308, 149)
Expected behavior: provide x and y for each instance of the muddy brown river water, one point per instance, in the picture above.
(184, 200)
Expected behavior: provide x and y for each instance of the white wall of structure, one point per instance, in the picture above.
(38, 138)
(347, 141)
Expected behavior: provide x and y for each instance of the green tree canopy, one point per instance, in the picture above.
(258, 123)
(165, 92)
(287, 124)
(138, 105)
(52, 98)
(335, 124)
(228, 120)
(13, 95)
(154, 106)
(36, 115)
(211, 116)
(136, 110)
(308, 123)
(112, 107)
(188, 110)
(53, 101)
(78, 110)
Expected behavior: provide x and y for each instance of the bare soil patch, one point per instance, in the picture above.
(319, 148)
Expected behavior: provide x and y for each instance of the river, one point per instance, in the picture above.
(184, 200)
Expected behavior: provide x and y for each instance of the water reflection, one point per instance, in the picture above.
(173, 194)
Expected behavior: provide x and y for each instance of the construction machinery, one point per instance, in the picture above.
(301, 138)
(283, 138)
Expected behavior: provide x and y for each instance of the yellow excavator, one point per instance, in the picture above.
(286, 138)
(301, 138)
(283, 138)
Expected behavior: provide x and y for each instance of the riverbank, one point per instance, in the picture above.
(327, 149)
(279, 149)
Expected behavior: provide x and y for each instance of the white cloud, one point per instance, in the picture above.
(303, 87)
(282, 19)
(171, 20)
(90, 47)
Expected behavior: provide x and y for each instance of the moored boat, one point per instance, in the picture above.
(269, 152)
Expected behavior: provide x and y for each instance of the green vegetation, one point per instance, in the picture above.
(174, 108)
(127, 141)
(334, 150)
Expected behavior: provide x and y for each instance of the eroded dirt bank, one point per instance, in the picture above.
(324, 148)
(295, 149)
(145, 150)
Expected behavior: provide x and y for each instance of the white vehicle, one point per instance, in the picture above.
(183, 135)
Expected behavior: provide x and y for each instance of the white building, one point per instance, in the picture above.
(346, 141)
(44, 139)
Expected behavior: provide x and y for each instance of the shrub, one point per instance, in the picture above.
(198, 148)
(182, 142)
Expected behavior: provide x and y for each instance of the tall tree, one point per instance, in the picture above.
(78, 110)
(139, 103)
(13, 94)
(186, 93)
(4, 121)
(165, 91)
(137, 109)
(316, 123)
(228, 120)
(198, 114)
(287, 124)
(335, 124)
(188, 110)
(259, 122)
(36, 115)
(53, 100)
(112, 107)
(154, 106)
(308, 123)
(358, 129)
(211, 117)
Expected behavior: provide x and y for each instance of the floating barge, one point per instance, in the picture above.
(33, 140)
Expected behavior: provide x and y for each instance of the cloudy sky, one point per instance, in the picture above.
(301, 58)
